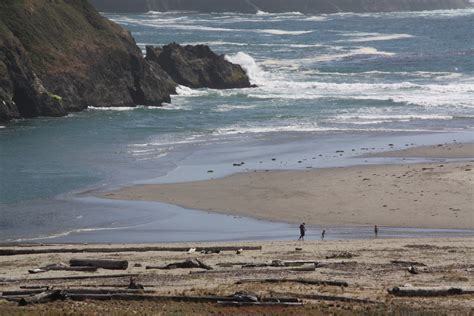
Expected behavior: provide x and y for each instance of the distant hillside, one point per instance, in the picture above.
(303, 6)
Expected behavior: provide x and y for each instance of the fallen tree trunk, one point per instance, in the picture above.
(329, 298)
(195, 299)
(79, 277)
(429, 291)
(237, 303)
(302, 281)
(100, 263)
(13, 252)
(44, 297)
(408, 263)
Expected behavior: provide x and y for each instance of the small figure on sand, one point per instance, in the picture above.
(376, 231)
(323, 234)
(302, 231)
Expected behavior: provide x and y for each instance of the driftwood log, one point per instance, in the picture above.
(237, 303)
(77, 277)
(321, 297)
(44, 297)
(408, 263)
(302, 281)
(100, 263)
(190, 263)
(430, 291)
(13, 252)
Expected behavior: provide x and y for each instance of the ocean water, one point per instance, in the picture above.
(324, 82)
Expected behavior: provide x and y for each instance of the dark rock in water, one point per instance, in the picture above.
(276, 6)
(198, 67)
(62, 56)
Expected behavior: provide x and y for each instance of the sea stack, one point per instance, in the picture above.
(198, 67)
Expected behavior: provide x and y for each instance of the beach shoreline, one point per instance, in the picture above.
(369, 267)
(437, 193)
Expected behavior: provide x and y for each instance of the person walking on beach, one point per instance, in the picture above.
(302, 231)
(323, 234)
(376, 231)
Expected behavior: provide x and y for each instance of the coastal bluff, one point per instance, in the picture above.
(62, 56)
(278, 6)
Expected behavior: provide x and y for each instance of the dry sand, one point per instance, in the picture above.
(369, 273)
(429, 195)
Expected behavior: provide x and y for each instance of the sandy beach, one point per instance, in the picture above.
(437, 194)
(370, 268)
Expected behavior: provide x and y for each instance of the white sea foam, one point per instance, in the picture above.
(111, 108)
(254, 72)
(70, 232)
(186, 91)
(282, 32)
(233, 107)
(361, 37)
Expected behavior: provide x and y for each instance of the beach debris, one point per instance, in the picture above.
(75, 277)
(342, 254)
(210, 251)
(100, 263)
(62, 267)
(412, 270)
(137, 265)
(44, 297)
(409, 290)
(302, 281)
(239, 251)
(133, 285)
(191, 250)
(210, 171)
(190, 263)
(298, 249)
(408, 263)
(33, 250)
(327, 297)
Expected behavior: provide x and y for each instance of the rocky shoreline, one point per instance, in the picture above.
(61, 57)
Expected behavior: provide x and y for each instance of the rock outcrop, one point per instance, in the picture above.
(276, 6)
(62, 56)
(198, 67)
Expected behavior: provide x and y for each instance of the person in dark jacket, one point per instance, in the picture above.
(302, 231)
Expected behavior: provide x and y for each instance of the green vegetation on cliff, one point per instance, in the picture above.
(58, 56)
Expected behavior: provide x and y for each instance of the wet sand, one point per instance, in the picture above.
(368, 269)
(429, 195)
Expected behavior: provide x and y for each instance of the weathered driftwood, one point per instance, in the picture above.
(100, 263)
(140, 297)
(44, 297)
(190, 263)
(79, 277)
(303, 281)
(237, 303)
(61, 267)
(274, 263)
(321, 297)
(24, 292)
(430, 291)
(341, 255)
(307, 267)
(26, 251)
(408, 263)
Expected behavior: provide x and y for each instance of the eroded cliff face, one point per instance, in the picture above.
(61, 56)
(303, 6)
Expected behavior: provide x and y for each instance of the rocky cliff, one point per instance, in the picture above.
(303, 6)
(61, 56)
(198, 66)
